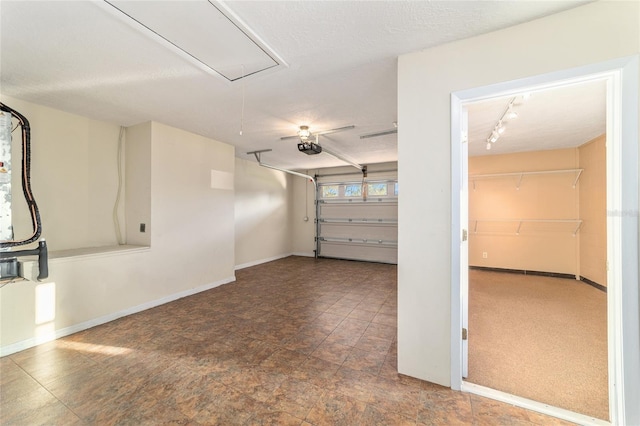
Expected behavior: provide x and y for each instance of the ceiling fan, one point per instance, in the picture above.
(305, 134)
(309, 143)
(382, 133)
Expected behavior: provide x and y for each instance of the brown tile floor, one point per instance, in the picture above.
(292, 342)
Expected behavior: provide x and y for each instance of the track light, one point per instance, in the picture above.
(499, 128)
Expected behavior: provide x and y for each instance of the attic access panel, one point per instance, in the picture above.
(202, 31)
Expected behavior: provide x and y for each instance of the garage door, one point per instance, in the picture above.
(358, 220)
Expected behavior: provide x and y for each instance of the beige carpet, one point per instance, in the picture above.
(540, 338)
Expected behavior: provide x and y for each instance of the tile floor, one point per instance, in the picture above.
(297, 341)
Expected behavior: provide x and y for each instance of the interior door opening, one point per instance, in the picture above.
(537, 329)
(618, 122)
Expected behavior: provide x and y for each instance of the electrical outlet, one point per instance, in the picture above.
(485, 254)
(143, 227)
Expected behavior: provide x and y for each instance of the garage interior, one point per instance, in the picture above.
(276, 232)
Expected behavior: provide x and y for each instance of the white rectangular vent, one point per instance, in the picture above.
(205, 33)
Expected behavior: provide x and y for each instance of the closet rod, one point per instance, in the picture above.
(541, 172)
(521, 174)
(578, 222)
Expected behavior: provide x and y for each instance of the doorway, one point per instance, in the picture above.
(619, 122)
(537, 240)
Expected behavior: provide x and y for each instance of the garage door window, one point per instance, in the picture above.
(353, 190)
(377, 189)
(330, 191)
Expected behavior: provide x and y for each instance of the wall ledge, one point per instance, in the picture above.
(79, 253)
(28, 266)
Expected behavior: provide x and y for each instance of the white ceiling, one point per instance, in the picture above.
(339, 69)
(562, 117)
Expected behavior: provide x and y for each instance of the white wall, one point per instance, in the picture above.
(263, 213)
(138, 184)
(589, 34)
(191, 232)
(73, 177)
(304, 231)
(192, 229)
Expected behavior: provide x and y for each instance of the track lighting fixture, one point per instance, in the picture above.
(500, 128)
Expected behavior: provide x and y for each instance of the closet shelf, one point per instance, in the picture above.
(578, 172)
(519, 222)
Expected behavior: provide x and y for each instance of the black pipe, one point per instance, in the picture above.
(43, 261)
(43, 257)
(41, 251)
(26, 179)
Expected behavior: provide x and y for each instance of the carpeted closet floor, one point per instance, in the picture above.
(541, 338)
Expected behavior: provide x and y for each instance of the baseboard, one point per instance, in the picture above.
(593, 284)
(525, 272)
(543, 274)
(304, 254)
(261, 261)
(539, 407)
(35, 341)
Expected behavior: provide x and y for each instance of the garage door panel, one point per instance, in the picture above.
(387, 232)
(373, 253)
(358, 228)
(359, 210)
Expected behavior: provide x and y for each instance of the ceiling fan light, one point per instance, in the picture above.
(304, 133)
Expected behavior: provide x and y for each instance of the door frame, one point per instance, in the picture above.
(623, 324)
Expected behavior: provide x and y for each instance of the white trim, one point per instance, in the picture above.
(622, 234)
(456, 231)
(220, 5)
(261, 261)
(35, 341)
(529, 404)
(304, 254)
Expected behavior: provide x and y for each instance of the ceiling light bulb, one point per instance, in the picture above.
(512, 115)
(304, 132)
(494, 136)
(500, 129)
(488, 145)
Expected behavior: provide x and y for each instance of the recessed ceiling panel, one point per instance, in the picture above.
(202, 31)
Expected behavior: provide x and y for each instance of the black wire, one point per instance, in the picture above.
(26, 179)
